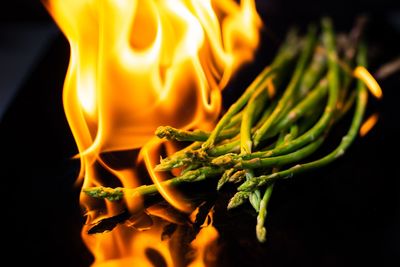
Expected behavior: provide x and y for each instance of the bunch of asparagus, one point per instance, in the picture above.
(263, 138)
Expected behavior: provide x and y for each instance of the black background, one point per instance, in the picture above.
(343, 215)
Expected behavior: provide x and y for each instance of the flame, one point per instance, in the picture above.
(151, 159)
(136, 65)
(112, 251)
(205, 244)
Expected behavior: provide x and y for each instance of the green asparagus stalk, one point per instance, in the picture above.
(313, 73)
(225, 178)
(311, 100)
(285, 55)
(178, 159)
(279, 161)
(307, 103)
(285, 100)
(338, 152)
(251, 112)
(261, 231)
(254, 197)
(115, 194)
(333, 85)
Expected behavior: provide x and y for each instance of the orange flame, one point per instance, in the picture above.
(151, 158)
(136, 65)
(205, 243)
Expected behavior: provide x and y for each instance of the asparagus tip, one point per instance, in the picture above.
(161, 168)
(198, 155)
(238, 176)
(238, 199)
(224, 160)
(326, 22)
(261, 233)
(224, 178)
(248, 185)
(163, 132)
(112, 194)
(168, 164)
(255, 200)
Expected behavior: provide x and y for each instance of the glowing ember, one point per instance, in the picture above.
(136, 65)
(373, 86)
(369, 123)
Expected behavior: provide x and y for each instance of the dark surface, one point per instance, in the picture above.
(21, 46)
(36, 146)
(23, 11)
(346, 214)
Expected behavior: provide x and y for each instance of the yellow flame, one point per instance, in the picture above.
(130, 61)
(135, 65)
(369, 123)
(364, 75)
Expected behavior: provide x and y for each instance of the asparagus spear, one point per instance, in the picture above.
(256, 102)
(285, 100)
(333, 83)
(338, 152)
(286, 53)
(261, 230)
(115, 194)
(255, 196)
(306, 104)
